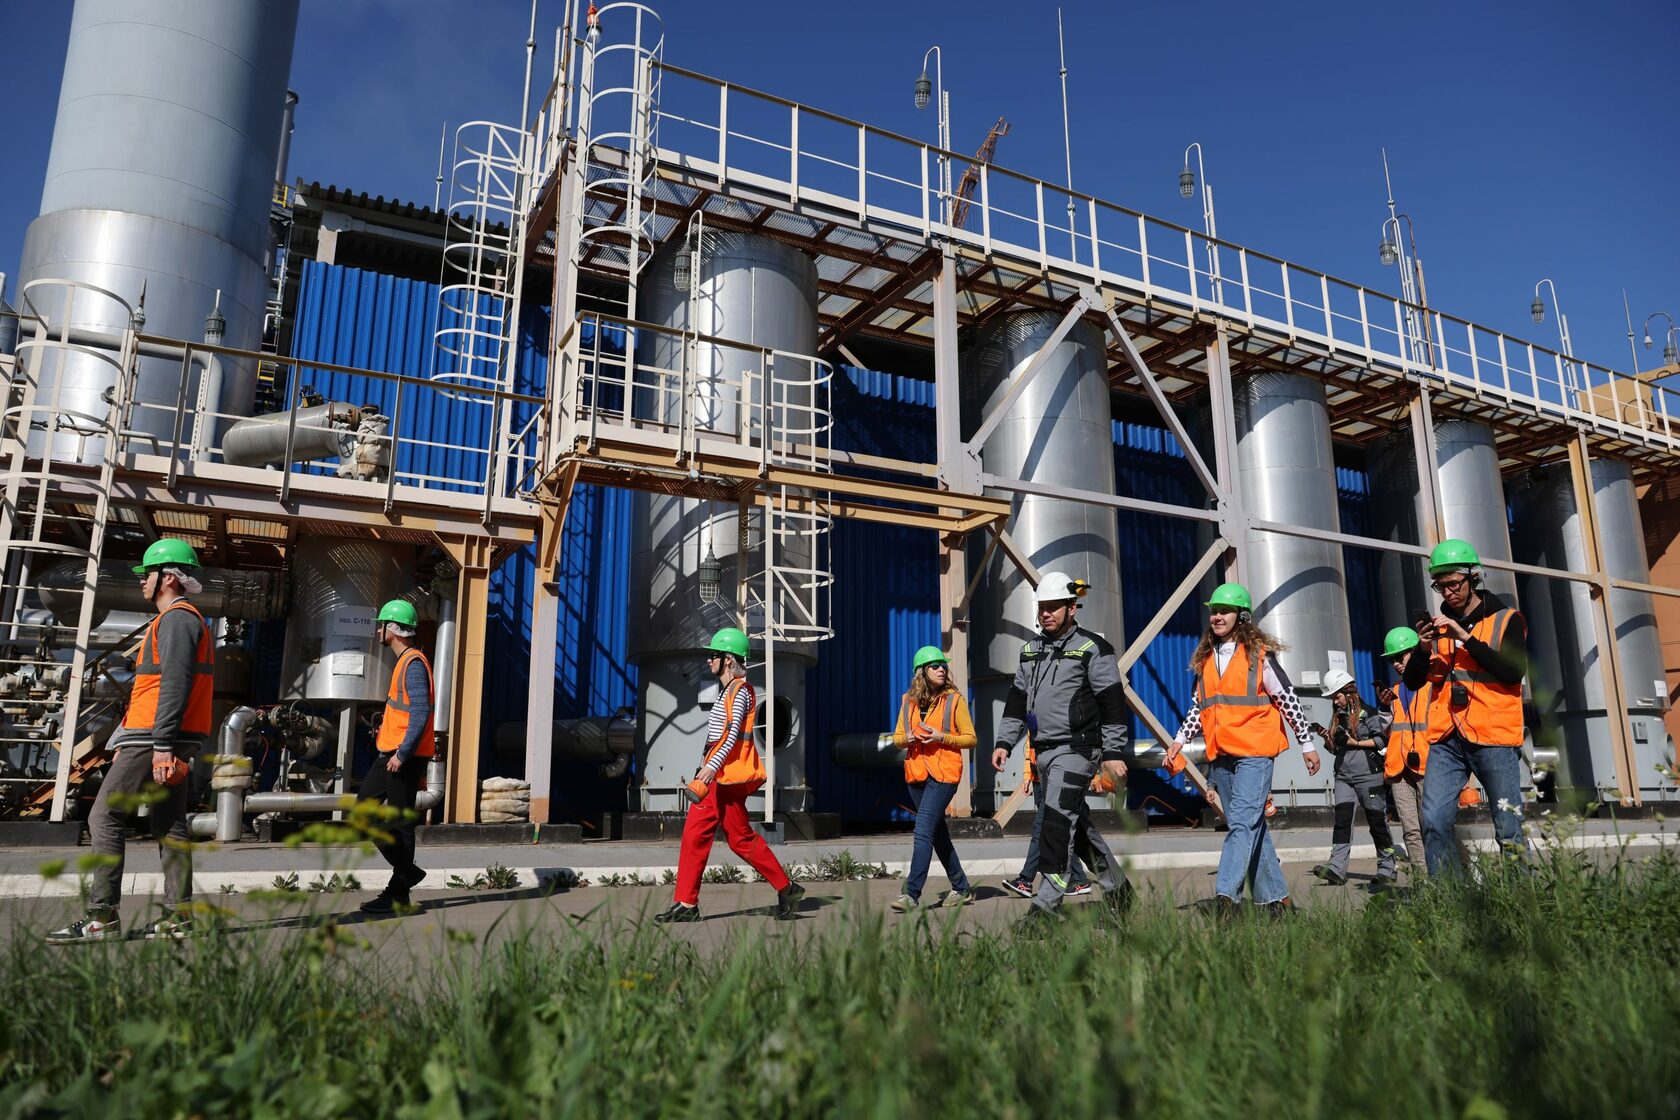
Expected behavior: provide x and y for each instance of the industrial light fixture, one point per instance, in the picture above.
(710, 570)
(1537, 310)
(1669, 354)
(1388, 252)
(1187, 182)
(924, 90)
(681, 275)
(1647, 337)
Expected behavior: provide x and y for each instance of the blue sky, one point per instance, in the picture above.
(1526, 139)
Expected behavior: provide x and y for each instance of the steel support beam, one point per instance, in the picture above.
(545, 636)
(466, 736)
(1233, 510)
(1604, 625)
(1186, 587)
(1147, 379)
(953, 633)
(1433, 516)
(958, 471)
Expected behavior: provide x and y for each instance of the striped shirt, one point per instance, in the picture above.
(724, 726)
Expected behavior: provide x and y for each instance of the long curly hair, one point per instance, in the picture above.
(921, 690)
(1249, 636)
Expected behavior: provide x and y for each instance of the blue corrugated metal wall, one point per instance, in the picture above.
(885, 601)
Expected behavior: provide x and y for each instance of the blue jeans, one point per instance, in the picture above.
(932, 835)
(1451, 762)
(1029, 868)
(1248, 856)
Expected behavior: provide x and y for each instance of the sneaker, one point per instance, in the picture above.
(176, 926)
(678, 912)
(95, 927)
(957, 898)
(1330, 875)
(904, 903)
(787, 902)
(1022, 887)
(1074, 887)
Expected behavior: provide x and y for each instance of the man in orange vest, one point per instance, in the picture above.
(167, 720)
(1478, 650)
(730, 772)
(406, 744)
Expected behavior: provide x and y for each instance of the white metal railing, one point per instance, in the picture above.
(619, 91)
(474, 338)
(715, 131)
(686, 394)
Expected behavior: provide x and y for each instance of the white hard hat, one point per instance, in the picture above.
(1335, 680)
(1054, 587)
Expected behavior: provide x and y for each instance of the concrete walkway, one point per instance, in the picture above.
(245, 867)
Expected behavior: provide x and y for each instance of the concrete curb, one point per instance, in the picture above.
(208, 884)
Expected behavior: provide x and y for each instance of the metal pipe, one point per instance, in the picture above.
(322, 431)
(286, 117)
(285, 802)
(230, 803)
(443, 700)
(432, 796)
(602, 739)
(227, 593)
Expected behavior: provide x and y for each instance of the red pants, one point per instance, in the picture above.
(729, 803)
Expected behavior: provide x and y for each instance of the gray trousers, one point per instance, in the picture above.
(129, 771)
(1370, 794)
(1066, 776)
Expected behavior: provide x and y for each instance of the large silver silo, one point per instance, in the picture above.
(762, 292)
(1565, 671)
(1286, 468)
(1059, 431)
(161, 178)
(338, 585)
(1472, 504)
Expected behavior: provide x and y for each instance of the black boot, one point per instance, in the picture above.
(787, 902)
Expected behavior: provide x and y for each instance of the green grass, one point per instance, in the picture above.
(1555, 993)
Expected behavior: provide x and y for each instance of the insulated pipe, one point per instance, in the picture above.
(261, 440)
(601, 739)
(230, 821)
(227, 593)
(443, 686)
(286, 802)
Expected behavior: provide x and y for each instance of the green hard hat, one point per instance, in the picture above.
(399, 611)
(167, 552)
(1451, 555)
(1399, 640)
(1230, 595)
(730, 640)
(931, 655)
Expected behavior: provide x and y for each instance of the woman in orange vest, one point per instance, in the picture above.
(406, 744)
(1407, 755)
(934, 728)
(167, 721)
(730, 772)
(1242, 701)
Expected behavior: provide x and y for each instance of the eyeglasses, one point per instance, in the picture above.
(714, 657)
(1450, 584)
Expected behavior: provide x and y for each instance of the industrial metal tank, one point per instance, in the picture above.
(1287, 472)
(160, 180)
(1565, 672)
(1472, 504)
(759, 291)
(1058, 431)
(338, 586)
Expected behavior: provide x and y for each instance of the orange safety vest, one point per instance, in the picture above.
(1410, 731)
(394, 728)
(1494, 715)
(148, 679)
(741, 766)
(939, 761)
(1238, 718)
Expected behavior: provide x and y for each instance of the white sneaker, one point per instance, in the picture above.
(89, 928)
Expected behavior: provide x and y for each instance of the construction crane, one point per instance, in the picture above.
(971, 174)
